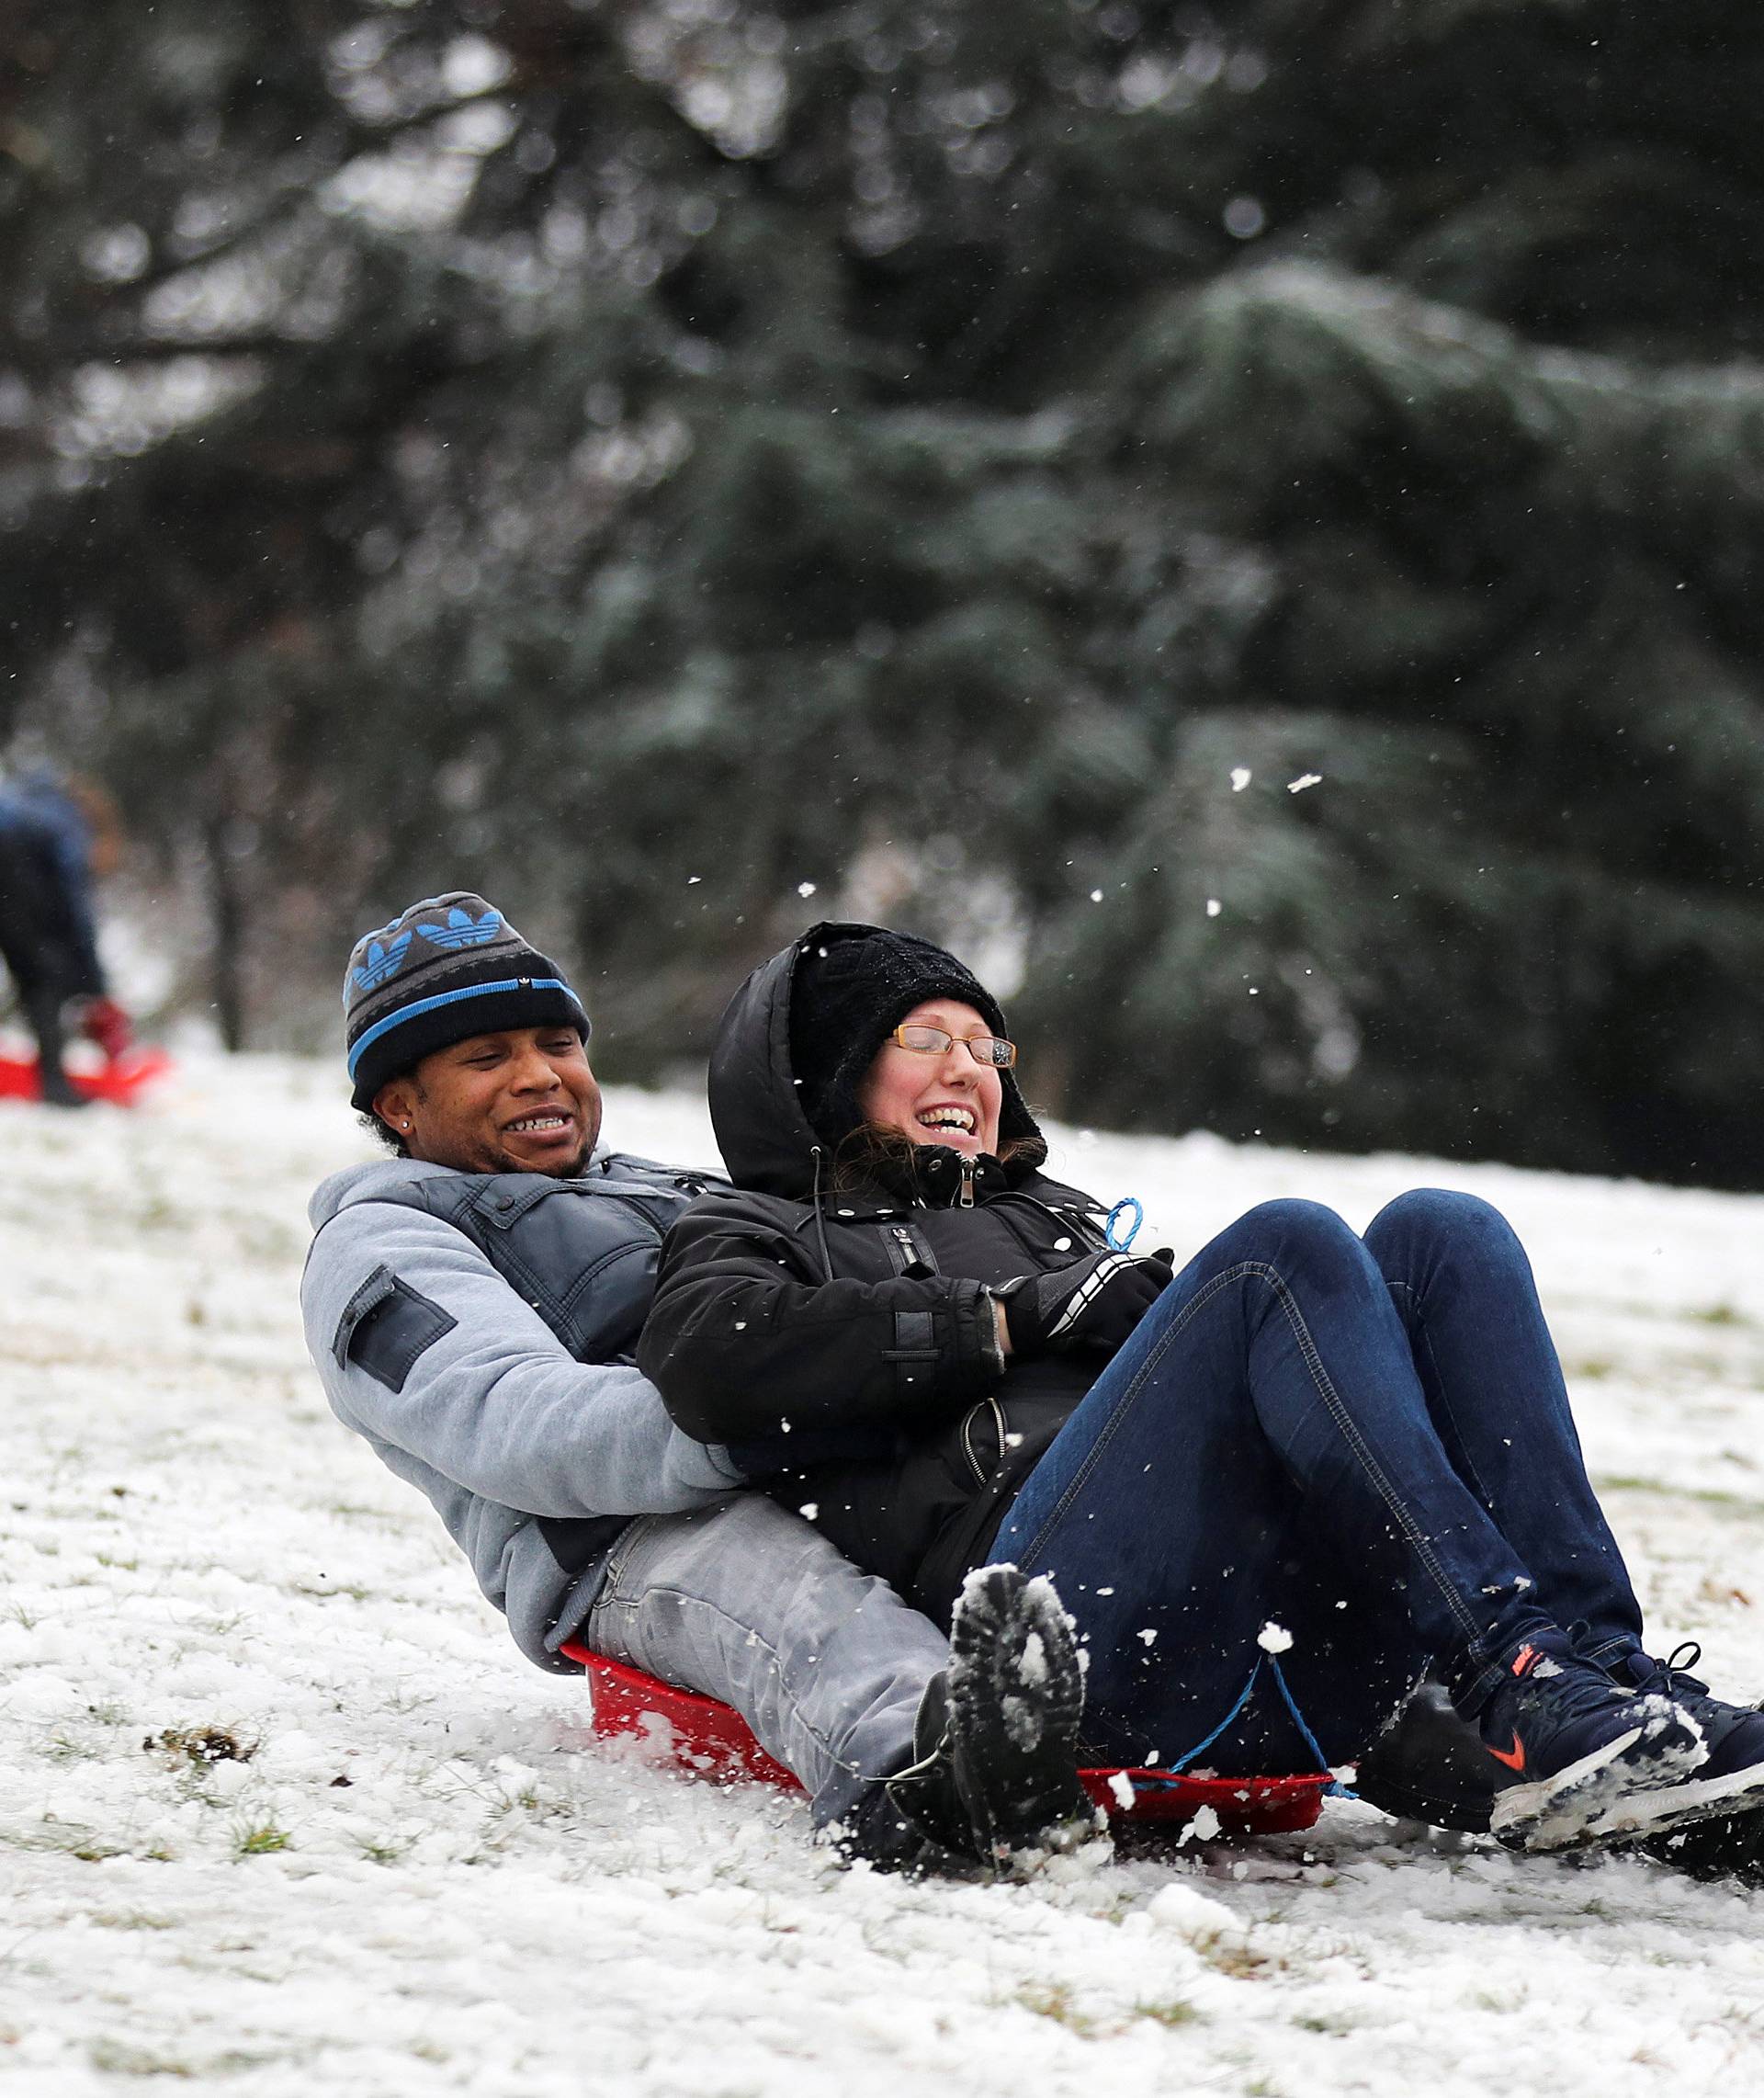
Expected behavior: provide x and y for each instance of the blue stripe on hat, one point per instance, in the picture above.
(453, 997)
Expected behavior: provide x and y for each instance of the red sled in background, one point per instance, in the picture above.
(117, 1082)
(712, 1740)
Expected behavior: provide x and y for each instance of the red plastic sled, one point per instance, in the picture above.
(117, 1082)
(712, 1740)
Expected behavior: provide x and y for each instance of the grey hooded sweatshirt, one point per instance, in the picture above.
(504, 1387)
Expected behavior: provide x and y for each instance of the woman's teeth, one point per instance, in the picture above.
(948, 1119)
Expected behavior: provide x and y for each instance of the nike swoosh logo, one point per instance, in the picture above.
(1514, 1758)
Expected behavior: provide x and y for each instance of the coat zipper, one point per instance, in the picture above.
(907, 1252)
(966, 1199)
(974, 1464)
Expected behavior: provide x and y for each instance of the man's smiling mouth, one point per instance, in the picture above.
(537, 1126)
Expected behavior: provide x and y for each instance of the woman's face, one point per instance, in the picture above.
(944, 1099)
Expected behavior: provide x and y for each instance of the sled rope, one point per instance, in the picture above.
(1335, 1788)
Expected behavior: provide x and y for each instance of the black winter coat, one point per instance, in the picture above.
(845, 1349)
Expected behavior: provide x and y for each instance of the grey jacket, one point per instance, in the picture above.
(477, 1330)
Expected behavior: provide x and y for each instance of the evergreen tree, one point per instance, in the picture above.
(648, 459)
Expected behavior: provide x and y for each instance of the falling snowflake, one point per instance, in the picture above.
(1304, 780)
(1213, 906)
(1240, 778)
(805, 889)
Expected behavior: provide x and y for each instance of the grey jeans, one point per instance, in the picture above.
(745, 1602)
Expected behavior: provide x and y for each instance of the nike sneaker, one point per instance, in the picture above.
(1590, 1759)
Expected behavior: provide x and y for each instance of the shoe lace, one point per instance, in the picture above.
(1674, 1673)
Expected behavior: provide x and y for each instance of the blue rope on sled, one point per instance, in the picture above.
(1335, 1788)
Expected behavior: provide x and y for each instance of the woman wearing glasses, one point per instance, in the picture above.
(1272, 1488)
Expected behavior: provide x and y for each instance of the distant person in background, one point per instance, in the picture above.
(56, 836)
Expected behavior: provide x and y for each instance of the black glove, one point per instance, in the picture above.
(1094, 1303)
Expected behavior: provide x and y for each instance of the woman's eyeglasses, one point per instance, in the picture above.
(991, 1049)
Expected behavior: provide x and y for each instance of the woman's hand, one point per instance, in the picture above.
(1094, 1303)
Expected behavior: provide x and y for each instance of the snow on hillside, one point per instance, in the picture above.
(426, 1878)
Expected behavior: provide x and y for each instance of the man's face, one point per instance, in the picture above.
(520, 1101)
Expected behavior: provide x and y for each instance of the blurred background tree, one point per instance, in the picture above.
(647, 458)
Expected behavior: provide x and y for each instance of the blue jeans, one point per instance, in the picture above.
(1365, 1442)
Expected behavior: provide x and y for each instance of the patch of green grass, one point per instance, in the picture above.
(120, 2058)
(117, 2058)
(1720, 1315)
(383, 1850)
(61, 1746)
(259, 1838)
(1231, 1956)
(1174, 2011)
(1710, 1496)
(1054, 1999)
(132, 1920)
(356, 1589)
(69, 1838)
(95, 1850)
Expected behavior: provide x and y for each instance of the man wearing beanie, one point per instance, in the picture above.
(472, 1305)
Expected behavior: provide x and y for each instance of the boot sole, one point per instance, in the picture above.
(1683, 1806)
(1016, 1694)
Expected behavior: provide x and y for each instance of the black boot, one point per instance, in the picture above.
(914, 1823)
(43, 1010)
(1016, 1695)
(995, 1775)
(1429, 1765)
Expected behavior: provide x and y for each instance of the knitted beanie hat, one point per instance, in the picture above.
(852, 987)
(448, 967)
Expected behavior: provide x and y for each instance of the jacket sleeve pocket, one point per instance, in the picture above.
(385, 1326)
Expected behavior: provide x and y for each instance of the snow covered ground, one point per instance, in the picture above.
(420, 1875)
